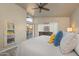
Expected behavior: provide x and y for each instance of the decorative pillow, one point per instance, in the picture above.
(77, 46)
(58, 38)
(52, 37)
(68, 43)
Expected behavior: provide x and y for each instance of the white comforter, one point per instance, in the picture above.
(39, 47)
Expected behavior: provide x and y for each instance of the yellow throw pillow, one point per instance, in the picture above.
(51, 40)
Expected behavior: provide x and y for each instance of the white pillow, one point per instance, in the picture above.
(77, 46)
(68, 43)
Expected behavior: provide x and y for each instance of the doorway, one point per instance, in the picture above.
(29, 27)
(29, 31)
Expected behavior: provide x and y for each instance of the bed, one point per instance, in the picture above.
(39, 46)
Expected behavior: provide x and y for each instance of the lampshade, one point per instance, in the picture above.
(69, 29)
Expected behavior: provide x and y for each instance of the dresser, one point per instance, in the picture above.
(47, 29)
(45, 33)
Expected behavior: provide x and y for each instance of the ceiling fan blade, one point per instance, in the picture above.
(46, 9)
(43, 4)
(35, 8)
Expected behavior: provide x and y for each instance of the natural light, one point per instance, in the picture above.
(29, 19)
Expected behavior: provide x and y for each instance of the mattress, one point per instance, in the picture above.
(39, 46)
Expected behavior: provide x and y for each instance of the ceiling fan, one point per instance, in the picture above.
(41, 6)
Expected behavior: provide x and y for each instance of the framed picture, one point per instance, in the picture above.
(10, 26)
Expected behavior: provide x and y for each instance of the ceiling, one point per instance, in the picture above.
(56, 9)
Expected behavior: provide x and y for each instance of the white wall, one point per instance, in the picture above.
(63, 22)
(75, 20)
(17, 15)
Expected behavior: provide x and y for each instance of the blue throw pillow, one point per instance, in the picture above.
(58, 38)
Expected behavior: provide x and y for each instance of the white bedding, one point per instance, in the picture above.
(39, 47)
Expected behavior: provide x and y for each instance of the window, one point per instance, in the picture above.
(29, 19)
